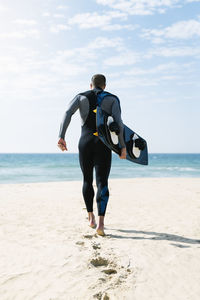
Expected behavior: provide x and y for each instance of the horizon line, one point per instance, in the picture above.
(78, 153)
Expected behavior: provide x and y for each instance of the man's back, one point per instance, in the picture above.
(84, 101)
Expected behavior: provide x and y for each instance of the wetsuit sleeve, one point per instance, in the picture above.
(72, 108)
(116, 114)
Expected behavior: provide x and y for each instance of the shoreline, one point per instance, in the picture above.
(110, 179)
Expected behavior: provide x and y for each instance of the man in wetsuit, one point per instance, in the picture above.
(92, 152)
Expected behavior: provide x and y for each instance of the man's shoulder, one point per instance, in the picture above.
(110, 95)
(111, 99)
(85, 93)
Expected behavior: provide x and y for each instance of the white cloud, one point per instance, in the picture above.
(162, 68)
(59, 27)
(173, 52)
(139, 7)
(34, 33)
(46, 14)
(59, 16)
(47, 74)
(102, 21)
(25, 22)
(8, 64)
(89, 54)
(144, 7)
(170, 77)
(3, 8)
(166, 71)
(27, 72)
(122, 59)
(162, 73)
(103, 42)
(128, 82)
(180, 30)
(22, 61)
(113, 27)
(62, 7)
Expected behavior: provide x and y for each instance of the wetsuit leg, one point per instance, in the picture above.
(102, 163)
(87, 164)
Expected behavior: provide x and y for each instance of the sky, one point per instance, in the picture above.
(149, 51)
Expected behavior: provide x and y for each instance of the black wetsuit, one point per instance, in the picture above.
(93, 154)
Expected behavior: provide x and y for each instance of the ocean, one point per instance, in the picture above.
(27, 168)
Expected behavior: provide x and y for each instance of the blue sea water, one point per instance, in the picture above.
(23, 168)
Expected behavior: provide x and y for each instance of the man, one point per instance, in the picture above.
(92, 152)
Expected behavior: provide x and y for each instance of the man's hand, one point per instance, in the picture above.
(123, 153)
(62, 144)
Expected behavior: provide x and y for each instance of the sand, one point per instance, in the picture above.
(151, 250)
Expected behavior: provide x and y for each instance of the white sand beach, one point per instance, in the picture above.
(151, 250)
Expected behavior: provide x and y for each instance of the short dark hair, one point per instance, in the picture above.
(98, 80)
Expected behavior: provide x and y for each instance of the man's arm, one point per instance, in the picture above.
(72, 108)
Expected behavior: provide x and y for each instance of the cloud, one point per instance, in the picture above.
(143, 7)
(33, 33)
(102, 21)
(39, 74)
(3, 8)
(180, 30)
(90, 54)
(59, 16)
(130, 82)
(159, 74)
(25, 22)
(56, 16)
(103, 42)
(59, 27)
(46, 14)
(33, 75)
(173, 52)
(122, 59)
(161, 68)
(113, 27)
(62, 7)
(139, 7)
(166, 71)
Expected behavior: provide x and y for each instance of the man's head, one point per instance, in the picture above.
(98, 81)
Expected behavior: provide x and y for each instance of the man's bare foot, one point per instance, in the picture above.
(91, 218)
(100, 228)
(100, 231)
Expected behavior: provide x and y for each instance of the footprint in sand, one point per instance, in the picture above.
(98, 296)
(96, 246)
(99, 262)
(80, 243)
(88, 236)
(106, 297)
(101, 296)
(109, 271)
